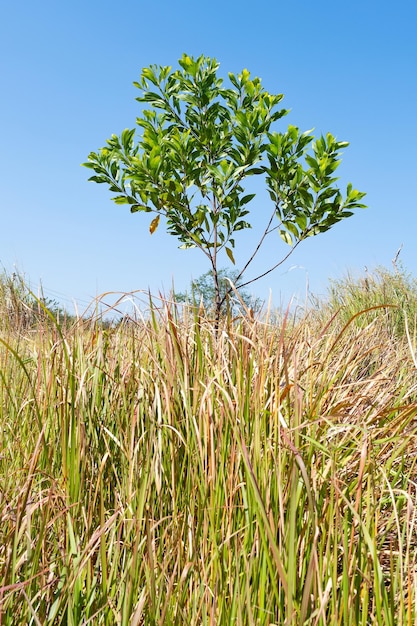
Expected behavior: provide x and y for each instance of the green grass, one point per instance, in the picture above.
(163, 472)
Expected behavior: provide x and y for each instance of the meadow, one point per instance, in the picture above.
(160, 470)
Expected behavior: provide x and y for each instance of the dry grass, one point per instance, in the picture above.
(155, 473)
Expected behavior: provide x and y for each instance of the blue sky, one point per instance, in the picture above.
(66, 79)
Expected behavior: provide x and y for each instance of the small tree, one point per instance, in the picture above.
(200, 141)
(202, 288)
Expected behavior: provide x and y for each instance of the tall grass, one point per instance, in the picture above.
(167, 472)
(395, 291)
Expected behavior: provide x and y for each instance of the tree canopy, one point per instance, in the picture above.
(199, 141)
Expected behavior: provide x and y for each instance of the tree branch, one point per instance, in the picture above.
(275, 266)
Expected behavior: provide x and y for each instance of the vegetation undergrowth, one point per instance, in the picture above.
(169, 471)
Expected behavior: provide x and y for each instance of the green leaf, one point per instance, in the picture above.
(115, 170)
(301, 221)
(327, 193)
(292, 228)
(285, 236)
(230, 255)
(127, 139)
(120, 199)
(247, 198)
(139, 207)
(234, 80)
(99, 179)
(149, 74)
(241, 225)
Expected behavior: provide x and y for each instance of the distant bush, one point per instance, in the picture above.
(202, 291)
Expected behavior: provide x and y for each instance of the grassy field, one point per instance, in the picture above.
(159, 472)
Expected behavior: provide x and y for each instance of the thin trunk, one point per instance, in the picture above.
(217, 298)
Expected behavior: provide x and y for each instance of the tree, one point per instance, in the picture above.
(202, 289)
(199, 142)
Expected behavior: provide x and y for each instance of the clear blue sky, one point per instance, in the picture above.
(66, 85)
